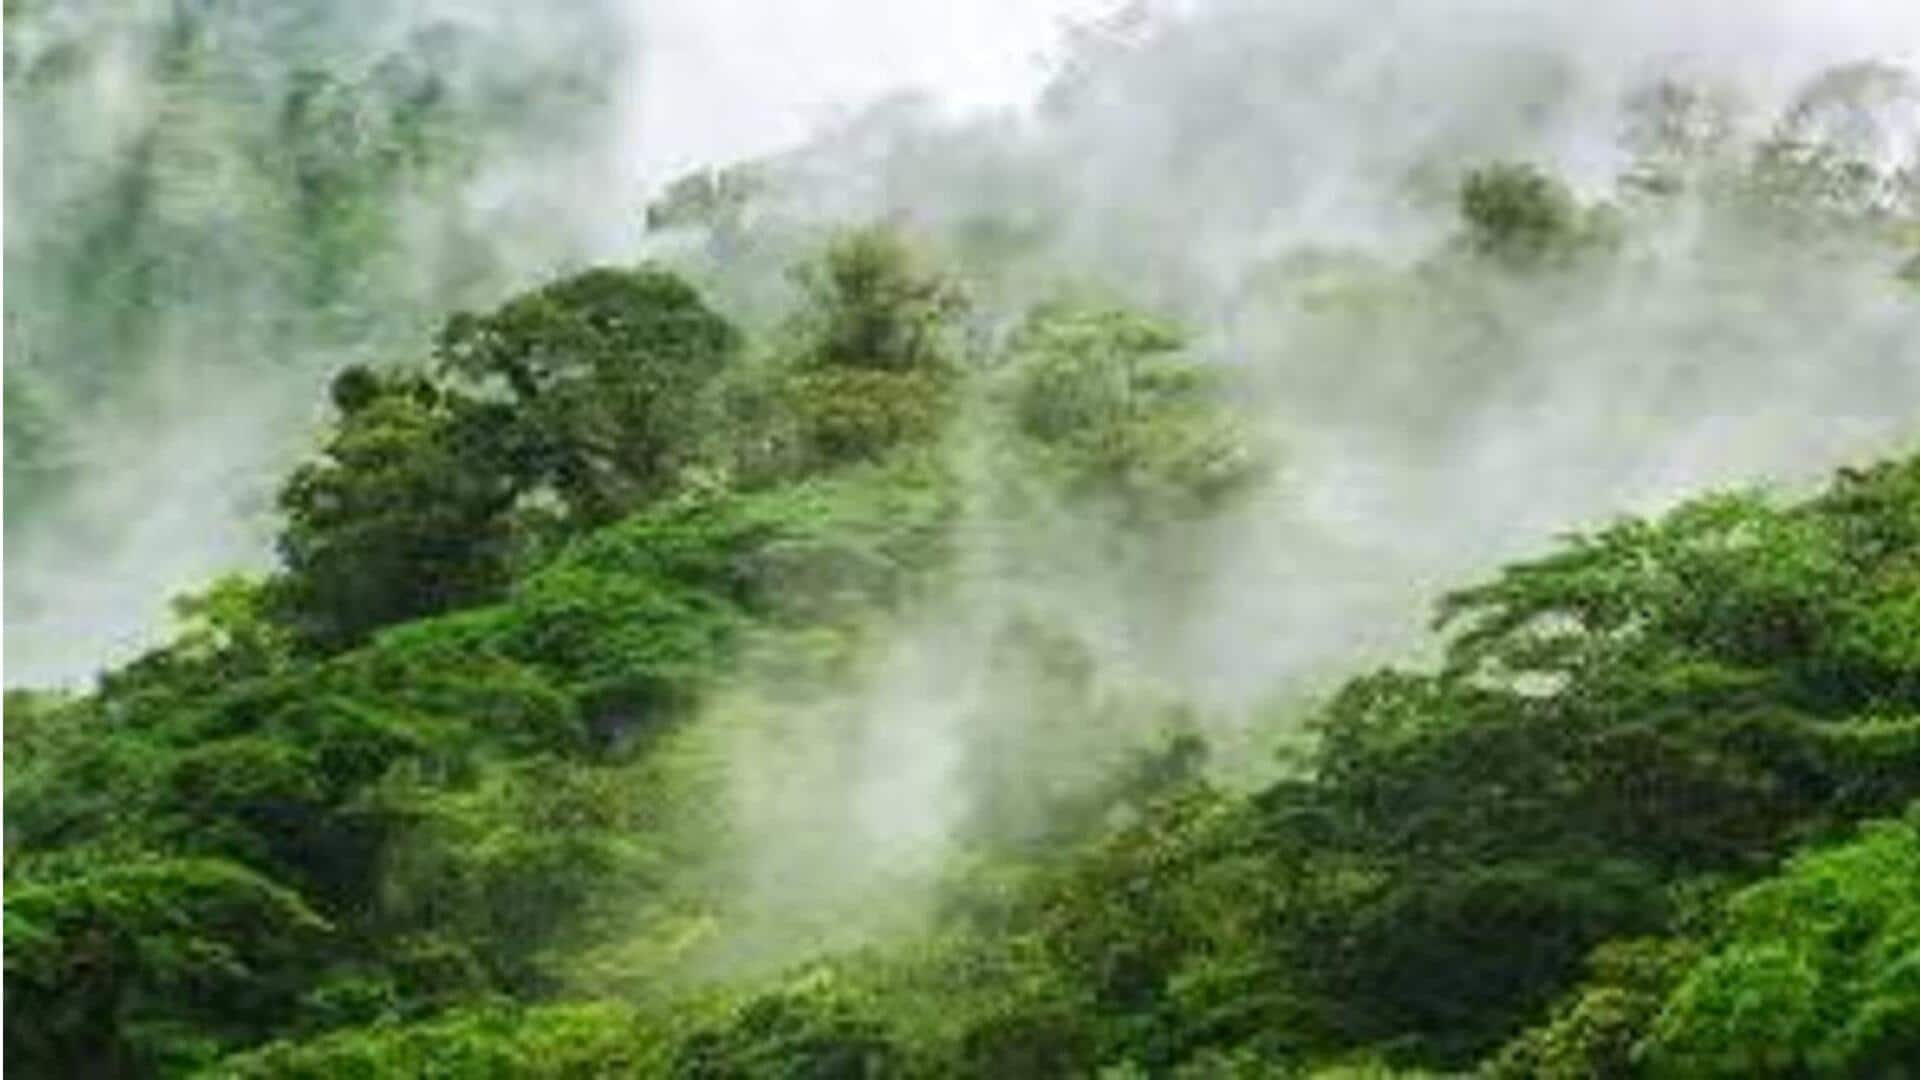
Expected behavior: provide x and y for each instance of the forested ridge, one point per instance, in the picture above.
(409, 804)
(755, 662)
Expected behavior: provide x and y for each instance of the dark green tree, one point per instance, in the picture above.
(809, 1033)
(605, 371)
(129, 969)
(1518, 214)
(551, 1042)
(407, 511)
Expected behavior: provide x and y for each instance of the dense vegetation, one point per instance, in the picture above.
(407, 806)
(527, 758)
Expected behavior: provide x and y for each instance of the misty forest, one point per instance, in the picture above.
(1325, 540)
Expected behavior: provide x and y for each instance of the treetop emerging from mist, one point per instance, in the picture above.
(875, 302)
(1521, 215)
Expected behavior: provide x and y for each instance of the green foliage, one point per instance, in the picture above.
(406, 514)
(455, 792)
(1162, 931)
(1452, 957)
(373, 815)
(133, 966)
(1597, 1031)
(807, 1032)
(1522, 216)
(874, 303)
(498, 865)
(553, 1042)
(427, 497)
(855, 414)
(605, 369)
(257, 205)
(1613, 725)
(71, 784)
(783, 421)
(646, 611)
(1102, 398)
(1815, 972)
(253, 796)
(1081, 366)
(1663, 700)
(867, 366)
(231, 628)
(1725, 581)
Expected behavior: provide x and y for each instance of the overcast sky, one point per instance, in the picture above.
(725, 79)
(722, 79)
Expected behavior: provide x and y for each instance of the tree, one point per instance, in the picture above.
(550, 1042)
(229, 630)
(125, 968)
(605, 370)
(407, 511)
(867, 364)
(1596, 1031)
(1103, 396)
(811, 1031)
(875, 303)
(1518, 214)
(1658, 702)
(1816, 973)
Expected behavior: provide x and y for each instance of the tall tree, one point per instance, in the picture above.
(606, 370)
(407, 511)
(875, 303)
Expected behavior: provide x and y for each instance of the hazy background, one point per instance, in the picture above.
(134, 174)
(1180, 153)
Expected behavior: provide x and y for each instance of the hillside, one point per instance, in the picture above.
(1306, 553)
(550, 749)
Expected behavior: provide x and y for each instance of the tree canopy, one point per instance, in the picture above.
(568, 607)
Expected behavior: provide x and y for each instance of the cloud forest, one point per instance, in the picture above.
(1325, 540)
